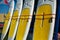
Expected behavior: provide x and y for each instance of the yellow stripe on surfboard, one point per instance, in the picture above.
(22, 24)
(6, 22)
(13, 23)
(42, 27)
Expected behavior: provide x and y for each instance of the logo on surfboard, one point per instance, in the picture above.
(5, 1)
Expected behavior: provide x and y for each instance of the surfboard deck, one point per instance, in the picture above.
(43, 22)
(22, 31)
(22, 24)
(42, 26)
(7, 21)
(15, 20)
(13, 24)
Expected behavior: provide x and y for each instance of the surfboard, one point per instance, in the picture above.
(15, 20)
(44, 20)
(7, 20)
(24, 23)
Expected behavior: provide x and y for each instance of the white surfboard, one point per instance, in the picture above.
(43, 28)
(8, 20)
(25, 20)
(15, 20)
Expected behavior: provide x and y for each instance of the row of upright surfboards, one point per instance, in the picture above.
(17, 21)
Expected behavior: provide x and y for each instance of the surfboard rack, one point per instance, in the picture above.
(15, 17)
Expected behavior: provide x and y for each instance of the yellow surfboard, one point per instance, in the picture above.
(43, 21)
(7, 20)
(13, 24)
(24, 23)
(15, 20)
